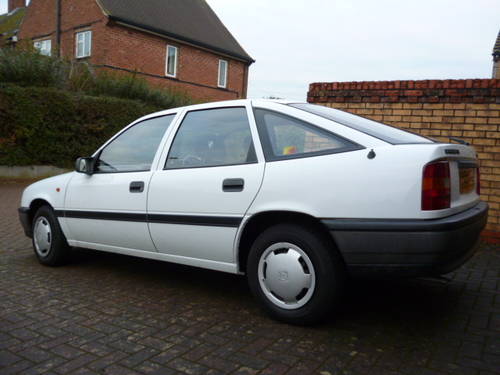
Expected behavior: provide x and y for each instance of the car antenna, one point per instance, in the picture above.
(458, 140)
(371, 155)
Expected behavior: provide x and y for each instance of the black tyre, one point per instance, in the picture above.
(295, 273)
(49, 242)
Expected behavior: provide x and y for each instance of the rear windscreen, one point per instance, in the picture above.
(375, 129)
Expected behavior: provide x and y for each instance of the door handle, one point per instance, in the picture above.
(137, 186)
(233, 185)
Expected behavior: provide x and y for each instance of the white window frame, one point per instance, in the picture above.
(224, 84)
(176, 60)
(44, 46)
(86, 34)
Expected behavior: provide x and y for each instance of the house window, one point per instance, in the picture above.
(44, 46)
(83, 44)
(171, 69)
(222, 73)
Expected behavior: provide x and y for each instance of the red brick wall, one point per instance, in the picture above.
(14, 4)
(126, 49)
(40, 23)
(142, 52)
(468, 109)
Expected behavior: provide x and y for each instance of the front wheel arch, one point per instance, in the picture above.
(35, 205)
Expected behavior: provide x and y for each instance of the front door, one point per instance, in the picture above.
(108, 209)
(210, 177)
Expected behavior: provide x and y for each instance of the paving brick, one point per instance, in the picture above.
(67, 351)
(107, 361)
(7, 358)
(148, 317)
(188, 367)
(152, 368)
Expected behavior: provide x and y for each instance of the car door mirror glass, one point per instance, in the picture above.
(85, 165)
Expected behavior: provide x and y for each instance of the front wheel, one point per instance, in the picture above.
(295, 273)
(49, 242)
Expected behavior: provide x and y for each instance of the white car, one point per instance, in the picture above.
(296, 196)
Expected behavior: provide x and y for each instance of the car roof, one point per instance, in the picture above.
(225, 103)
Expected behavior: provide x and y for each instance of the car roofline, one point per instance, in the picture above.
(224, 103)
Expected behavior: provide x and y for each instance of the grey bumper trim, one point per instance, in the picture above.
(456, 221)
(409, 247)
(24, 218)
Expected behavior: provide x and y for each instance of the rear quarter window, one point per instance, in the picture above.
(285, 137)
(375, 129)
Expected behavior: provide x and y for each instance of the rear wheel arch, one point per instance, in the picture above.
(258, 223)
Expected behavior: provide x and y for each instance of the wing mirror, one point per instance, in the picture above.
(85, 165)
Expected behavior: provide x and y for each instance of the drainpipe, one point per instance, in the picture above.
(245, 81)
(58, 28)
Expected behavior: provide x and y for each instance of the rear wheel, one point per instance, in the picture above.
(295, 273)
(49, 242)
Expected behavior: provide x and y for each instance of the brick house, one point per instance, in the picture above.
(171, 43)
(10, 22)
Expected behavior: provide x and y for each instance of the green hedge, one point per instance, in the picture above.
(49, 126)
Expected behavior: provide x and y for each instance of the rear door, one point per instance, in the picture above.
(108, 209)
(212, 172)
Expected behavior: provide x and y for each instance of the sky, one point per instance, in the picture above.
(297, 42)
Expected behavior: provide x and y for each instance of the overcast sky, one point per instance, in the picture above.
(296, 42)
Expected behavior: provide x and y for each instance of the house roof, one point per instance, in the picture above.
(191, 21)
(496, 47)
(10, 23)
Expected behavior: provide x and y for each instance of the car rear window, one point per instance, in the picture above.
(375, 129)
(284, 137)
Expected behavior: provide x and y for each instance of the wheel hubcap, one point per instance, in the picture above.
(286, 275)
(42, 236)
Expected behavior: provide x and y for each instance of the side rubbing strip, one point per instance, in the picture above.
(213, 221)
(118, 216)
(216, 221)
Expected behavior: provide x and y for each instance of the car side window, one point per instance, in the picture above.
(285, 137)
(135, 149)
(213, 137)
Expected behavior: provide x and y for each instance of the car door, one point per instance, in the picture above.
(210, 177)
(107, 209)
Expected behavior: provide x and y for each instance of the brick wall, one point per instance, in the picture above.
(468, 109)
(14, 4)
(197, 70)
(124, 49)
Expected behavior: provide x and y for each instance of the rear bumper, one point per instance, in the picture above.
(408, 247)
(24, 218)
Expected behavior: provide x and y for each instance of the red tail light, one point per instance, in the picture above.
(436, 194)
(478, 181)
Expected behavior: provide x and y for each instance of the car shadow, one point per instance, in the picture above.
(407, 305)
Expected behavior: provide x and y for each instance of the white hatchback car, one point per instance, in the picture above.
(296, 196)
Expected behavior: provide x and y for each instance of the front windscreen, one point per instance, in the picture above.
(375, 129)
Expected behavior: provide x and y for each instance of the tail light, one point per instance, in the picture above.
(478, 181)
(436, 193)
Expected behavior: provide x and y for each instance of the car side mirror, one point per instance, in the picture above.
(85, 165)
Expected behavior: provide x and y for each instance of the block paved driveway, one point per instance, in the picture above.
(110, 314)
